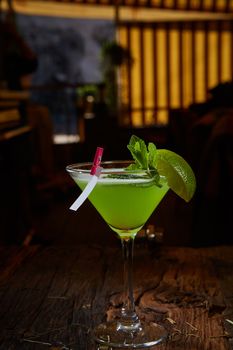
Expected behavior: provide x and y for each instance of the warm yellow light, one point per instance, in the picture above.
(136, 73)
(213, 59)
(137, 118)
(200, 92)
(161, 68)
(187, 67)
(174, 69)
(226, 38)
(148, 75)
(162, 117)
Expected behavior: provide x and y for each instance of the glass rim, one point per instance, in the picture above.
(85, 167)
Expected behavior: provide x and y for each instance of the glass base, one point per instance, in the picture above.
(147, 335)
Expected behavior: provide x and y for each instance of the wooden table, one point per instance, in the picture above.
(56, 294)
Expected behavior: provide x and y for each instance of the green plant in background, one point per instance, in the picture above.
(86, 98)
(86, 90)
(113, 56)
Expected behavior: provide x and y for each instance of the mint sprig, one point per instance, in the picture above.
(144, 157)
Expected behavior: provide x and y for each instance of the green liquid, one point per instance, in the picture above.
(125, 205)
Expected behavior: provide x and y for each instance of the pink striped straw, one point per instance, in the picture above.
(97, 160)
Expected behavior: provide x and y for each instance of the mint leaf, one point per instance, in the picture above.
(152, 153)
(144, 157)
(138, 150)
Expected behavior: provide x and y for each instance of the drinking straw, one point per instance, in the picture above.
(97, 160)
(95, 172)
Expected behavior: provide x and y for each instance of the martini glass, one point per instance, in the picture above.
(125, 199)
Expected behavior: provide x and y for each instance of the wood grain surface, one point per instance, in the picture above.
(51, 297)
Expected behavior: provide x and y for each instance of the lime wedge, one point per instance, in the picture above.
(179, 174)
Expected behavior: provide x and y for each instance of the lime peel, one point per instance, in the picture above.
(179, 174)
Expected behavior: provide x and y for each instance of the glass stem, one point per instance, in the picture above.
(129, 319)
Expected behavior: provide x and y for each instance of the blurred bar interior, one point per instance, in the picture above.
(75, 75)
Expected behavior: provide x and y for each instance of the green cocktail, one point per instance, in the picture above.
(120, 200)
(125, 198)
(125, 195)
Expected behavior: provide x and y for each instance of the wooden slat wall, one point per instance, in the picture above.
(188, 59)
(224, 6)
